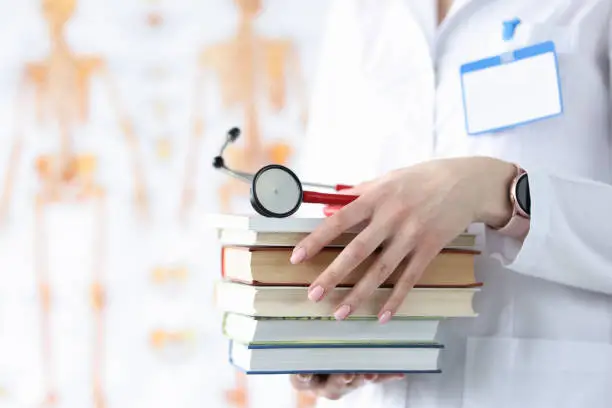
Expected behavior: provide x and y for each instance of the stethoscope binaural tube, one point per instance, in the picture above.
(219, 162)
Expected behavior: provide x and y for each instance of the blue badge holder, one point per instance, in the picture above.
(510, 58)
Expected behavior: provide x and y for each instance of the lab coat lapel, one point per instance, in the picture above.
(459, 6)
(399, 24)
(399, 67)
(423, 14)
(456, 15)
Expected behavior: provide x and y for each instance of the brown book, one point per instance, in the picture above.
(271, 267)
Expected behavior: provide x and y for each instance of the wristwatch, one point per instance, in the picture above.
(520, 199)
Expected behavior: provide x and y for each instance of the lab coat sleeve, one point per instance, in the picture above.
(570, 239)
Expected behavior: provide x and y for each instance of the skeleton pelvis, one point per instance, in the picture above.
(81, 166)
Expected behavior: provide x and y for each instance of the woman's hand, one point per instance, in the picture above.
(414, 211)
(335, 386)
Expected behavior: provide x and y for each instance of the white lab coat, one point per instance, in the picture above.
(388, 95)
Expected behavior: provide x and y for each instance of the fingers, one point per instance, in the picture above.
(307, 382)
(330, 210)
(339, 385)
(355, 190)
(335, 386)
(354, 254)
(359, 188)
(332, 227)
(416, 266)
(378, 273)
(389, 377)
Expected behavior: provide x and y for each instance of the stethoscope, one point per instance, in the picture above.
(276, 191)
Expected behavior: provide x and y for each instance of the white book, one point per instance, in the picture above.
(292, 301)
(333, 359)
(261, 330)
(260, 223)
(255, 230)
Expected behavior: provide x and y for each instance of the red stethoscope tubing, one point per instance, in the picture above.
(313, 197)
(333, 202)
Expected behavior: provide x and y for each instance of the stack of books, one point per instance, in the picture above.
(273, 328)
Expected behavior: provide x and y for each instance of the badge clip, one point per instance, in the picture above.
(509, 28)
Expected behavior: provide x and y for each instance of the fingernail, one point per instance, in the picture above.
(304, 377)
(385, 317)
(316, 293)
(298, 255)
(342, 312)
(348, 378)
(370, 377)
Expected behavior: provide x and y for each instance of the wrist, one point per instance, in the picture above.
(494, 207)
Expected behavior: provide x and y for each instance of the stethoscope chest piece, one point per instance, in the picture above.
(276, 191)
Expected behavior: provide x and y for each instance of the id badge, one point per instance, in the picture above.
(512, 89)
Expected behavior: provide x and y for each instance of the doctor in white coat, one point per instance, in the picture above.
(389, 108)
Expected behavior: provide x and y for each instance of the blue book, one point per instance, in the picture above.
(335, 358)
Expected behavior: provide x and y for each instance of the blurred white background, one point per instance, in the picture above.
(155, 341)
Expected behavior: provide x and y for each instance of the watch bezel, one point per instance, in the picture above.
(522, 208)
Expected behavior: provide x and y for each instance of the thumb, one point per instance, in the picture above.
(358, 189)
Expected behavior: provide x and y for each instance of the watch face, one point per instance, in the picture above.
(523, 197)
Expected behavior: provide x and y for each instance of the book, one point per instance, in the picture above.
(273, 328)
(264, 359)
(252, 238)
(255, 230)
(271, 266)
(292, 301)
(326, 330)
(260, 223)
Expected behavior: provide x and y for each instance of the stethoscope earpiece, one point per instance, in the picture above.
(233, 134)
(218, 162)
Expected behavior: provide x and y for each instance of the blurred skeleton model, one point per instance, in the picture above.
(173, 344)
(83, 188)
(60, 84)
(254, 74)
(238, 397)
(306, 400)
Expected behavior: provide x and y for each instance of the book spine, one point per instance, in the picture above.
(222, 254)
(224, 324)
